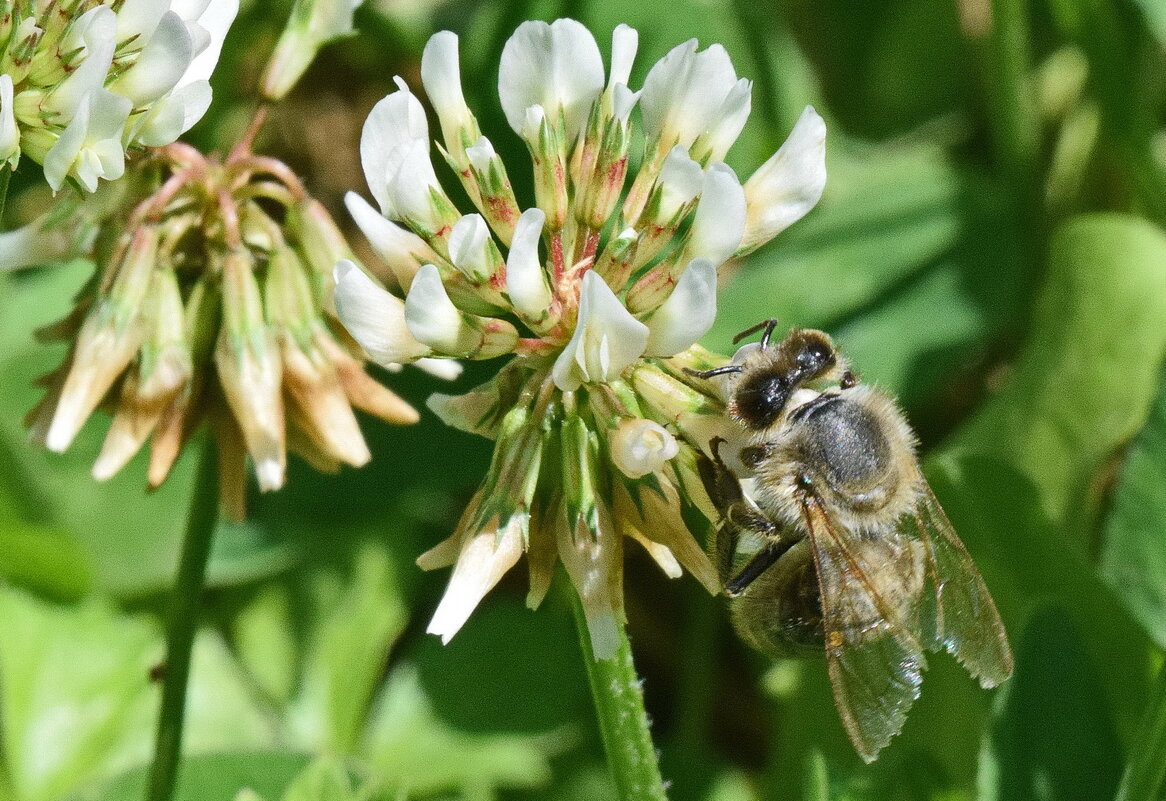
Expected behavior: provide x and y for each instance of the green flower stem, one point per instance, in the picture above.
(619, 706)
(1016, 127)
(182, 623)
(1143, 776)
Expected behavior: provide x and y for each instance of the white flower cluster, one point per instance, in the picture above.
(600, 290)
(82, 81)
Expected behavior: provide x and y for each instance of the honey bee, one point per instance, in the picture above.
(856, 556)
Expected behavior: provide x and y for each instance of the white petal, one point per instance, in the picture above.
(606, 340)
(90, 146)
(684, 91)
(174, 114)
(730, 119)
(374, 317)
(215, 18)
(719, 222)
(625, 40)
(526, 282)
(441, 77)
(480, 153)
(639, 447)
(681, 179)
(9, 134)
(687, 314)
(399, 248)
(532, 123)
(394, 151)
(447, 369)
(555, 66)
(160, 65)
(788, 185)
(430, 314)
(469, 242)
(623, 100)
(139, 18)
(483, 560)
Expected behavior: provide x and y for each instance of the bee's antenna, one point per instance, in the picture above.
(765, 326)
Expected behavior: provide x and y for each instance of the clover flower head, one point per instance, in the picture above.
(214, 299)
(81, 81)
(599, 291)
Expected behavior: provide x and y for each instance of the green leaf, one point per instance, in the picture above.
(413, 750)
(244, 776)
(326, 779)
(347, 652)
(1088, 374)
(901, 239)
(1054, 739)
(1133, 559)
(77, 702)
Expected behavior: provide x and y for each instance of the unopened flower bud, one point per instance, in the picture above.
(639, 447)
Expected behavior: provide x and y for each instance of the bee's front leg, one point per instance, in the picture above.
(724, 488)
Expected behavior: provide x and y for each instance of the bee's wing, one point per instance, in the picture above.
(957, 612)
(875, 669)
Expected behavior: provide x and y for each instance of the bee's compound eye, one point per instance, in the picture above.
(815, 356)
(761, 398)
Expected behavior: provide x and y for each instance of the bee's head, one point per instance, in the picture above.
(771, 375)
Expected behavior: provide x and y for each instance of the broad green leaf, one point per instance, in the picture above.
(1088, 374)
(347, 652)
(326, 779)
(1054, 739)
(44, 559)
(240, 776)
(886, 214)
(1133, 557)
(413, 750)
(77, 702)
(901, 240)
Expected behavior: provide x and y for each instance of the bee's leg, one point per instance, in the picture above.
(706, 374)
(761, 562)
(766, 326)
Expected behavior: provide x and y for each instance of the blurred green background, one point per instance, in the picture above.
(988, 249)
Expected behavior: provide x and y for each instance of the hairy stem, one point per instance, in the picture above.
(623, 723)
(181, 625)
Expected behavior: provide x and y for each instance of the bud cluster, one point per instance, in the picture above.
(599, 290)
(83, 80)
(213, 300)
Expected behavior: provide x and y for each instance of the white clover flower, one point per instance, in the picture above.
(78, 86)
(607, 338)
(598, 291)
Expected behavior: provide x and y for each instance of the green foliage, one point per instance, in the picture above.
(989, 249)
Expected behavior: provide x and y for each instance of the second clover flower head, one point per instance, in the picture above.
(599, 291)
(83, 80)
